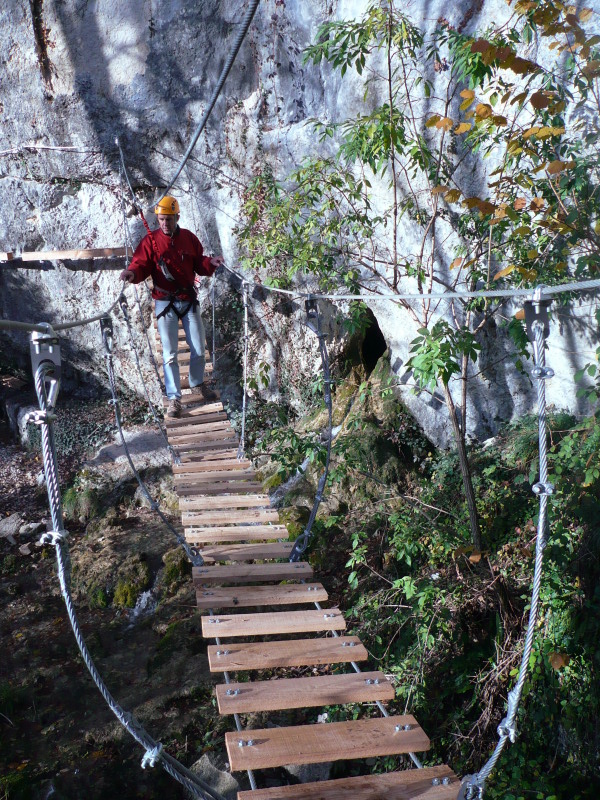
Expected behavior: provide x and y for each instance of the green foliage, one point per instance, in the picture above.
(134, 578)
(436, 353)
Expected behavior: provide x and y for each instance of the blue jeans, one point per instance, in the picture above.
(168, 328)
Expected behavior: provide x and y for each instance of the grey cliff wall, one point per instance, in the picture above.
(78, 73)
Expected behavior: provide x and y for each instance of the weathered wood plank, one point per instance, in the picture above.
(327, 619)
(246, 552)
(221, 534)
(216, 453)
(212, 464)
(224, 501)
(73, 255)
(250, 596)
(412, 784)
(204, 437)
(317, 690)
(199, 419)
(246, 656)
(6, 256)
(251, 573)
(222, 488)
(333, 741)
(203, 518)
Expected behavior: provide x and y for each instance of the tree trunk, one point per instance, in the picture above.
(465, 470)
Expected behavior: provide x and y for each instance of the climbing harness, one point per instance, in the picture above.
(313, 322)
(172, 299)
(106, 331)
(46, 365)
(536, 317)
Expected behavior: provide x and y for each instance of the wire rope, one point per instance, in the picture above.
(154, 752)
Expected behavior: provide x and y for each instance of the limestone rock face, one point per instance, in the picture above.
(77, 74)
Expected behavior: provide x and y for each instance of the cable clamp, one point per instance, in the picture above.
(470, 789)
(508, 729)
(39, 418)
(152, 756)
(540, 489)
(541, 373)
(53, 537)
(536, 313)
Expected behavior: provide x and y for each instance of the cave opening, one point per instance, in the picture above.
(373, 344)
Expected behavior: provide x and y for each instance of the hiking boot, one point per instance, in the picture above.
(174, 408)
(203, 391)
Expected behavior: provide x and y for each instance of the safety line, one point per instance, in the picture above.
(192, 552)
(48, 371)
(223, 77)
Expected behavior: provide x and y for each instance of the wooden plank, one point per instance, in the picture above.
(326, 619)
(198, 426)
(216, 476)
(6, 256)
(332, 741)
(235, 533)
(222, 488)
(204, 518)
(191, 399)
(317, 690)
(251, 573)
(250, 596)
(180, 422)
(195, 457)
(412, 784)
(208, 464)
(224, 501)
(247, 552)
(229, 444)
(200, 437)
(74, 255)
(245, 656)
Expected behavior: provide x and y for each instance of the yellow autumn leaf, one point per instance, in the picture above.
(522, 230)
(453, 195)
(465, 104)
(439, 189)
(504, 272)
(532, 254)
(483, 110)
(585, 14)
(456, 263)
(558, 660)
(498, 119)
(467, 94)
(528, 274)
(432, 121)
(445, 123)
(463, 127)
(554, 167)
(531, 131)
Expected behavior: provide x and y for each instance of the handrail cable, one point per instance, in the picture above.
(107, 338)
(45, 355)
(215, 95)
(536, 312)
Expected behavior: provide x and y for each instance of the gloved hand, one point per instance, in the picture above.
(217, 261)
(127, 276)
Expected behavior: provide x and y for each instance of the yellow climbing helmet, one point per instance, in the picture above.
(167, 205)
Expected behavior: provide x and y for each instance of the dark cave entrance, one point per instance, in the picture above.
(373, 345)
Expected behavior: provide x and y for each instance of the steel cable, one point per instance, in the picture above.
(192, 553)
(58, 537)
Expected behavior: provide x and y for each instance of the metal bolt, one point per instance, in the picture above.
(232, 692)
(348, 644)
(207, 594)
(368, 681)
(376, 681)
(398, 728)
(213, 620)
(446, 781)
(435, 782)
(407, 727)
(328, 616)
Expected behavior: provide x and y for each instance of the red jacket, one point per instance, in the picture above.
(181, 255)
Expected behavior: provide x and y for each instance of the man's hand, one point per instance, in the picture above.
(127, 276)
(217, 261)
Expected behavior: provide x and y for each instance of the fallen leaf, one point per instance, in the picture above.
(558, 660)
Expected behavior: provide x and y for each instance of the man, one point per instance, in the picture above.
(173, 257)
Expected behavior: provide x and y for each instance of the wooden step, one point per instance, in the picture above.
(320, 690)
(224, 517)
(251, 573)
(247, 552)
(199, 427)
(215, 440)
(327, 619)
(235, 533)
(212, 463)
(214, 477)
(223, 502)
(412, 784)
(187, 400)
(186, 421)
(290, 653)
(252, 596)
(223, 488)
(332, 741)
(224, 431)
(219, 450)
